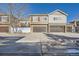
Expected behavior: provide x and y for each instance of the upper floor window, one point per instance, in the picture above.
(57, 18)
(0, 19)
(43, 18)
(35, 19)
(4, 18)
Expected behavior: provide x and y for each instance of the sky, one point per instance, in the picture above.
(72, 9)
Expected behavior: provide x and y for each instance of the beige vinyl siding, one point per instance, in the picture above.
(39, 19)
(59, 16)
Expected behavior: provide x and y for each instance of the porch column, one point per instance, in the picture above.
(49, 28)
(31, 28)
(65, 28)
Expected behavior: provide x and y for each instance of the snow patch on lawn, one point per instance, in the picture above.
(68, 34)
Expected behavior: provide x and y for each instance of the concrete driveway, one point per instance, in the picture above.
(42, 44)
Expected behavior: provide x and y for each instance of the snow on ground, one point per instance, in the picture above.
(29, 44)
(22, 29)
(37, 37)
(67, 34)
(34, 37)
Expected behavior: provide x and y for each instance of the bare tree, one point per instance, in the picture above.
(11, 20)
(76, 20)
(15, 14)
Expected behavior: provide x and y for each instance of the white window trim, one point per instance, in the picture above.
(4, 19)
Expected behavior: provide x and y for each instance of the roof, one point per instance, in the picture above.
(74, 21)
(50, 13)
(57, 24)
(38, 14)
(23, 19)
(59, 11)
(3, 14)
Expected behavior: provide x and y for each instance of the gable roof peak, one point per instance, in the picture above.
(58, 10)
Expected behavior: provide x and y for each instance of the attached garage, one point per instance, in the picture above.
(4, 28)
(69, 29)
(39, 28)
(77, 29)
(56, 28)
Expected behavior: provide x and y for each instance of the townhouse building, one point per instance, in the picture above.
(55, 21)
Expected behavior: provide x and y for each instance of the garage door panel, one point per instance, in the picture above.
(39, 29)
(56, 28)
(4, 29)
(69, 29)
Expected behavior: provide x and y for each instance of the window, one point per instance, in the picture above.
(4, 18)
(45, 18)
(35, 18)
(0, 18)
(57, 18)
